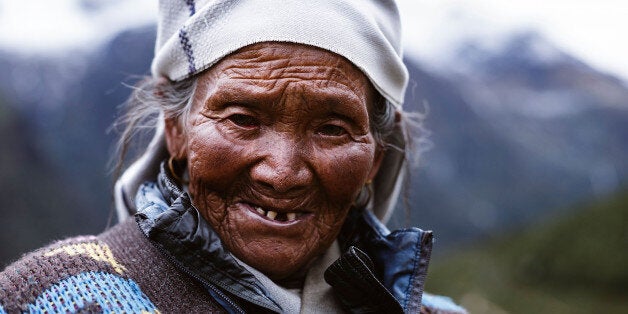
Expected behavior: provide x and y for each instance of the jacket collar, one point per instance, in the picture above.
(166, 216)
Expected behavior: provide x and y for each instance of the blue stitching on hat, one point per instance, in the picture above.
(190, 4)
(187, 48)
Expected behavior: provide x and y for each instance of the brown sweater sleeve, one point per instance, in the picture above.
(119, 270)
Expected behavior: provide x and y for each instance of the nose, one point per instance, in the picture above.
(282, 166)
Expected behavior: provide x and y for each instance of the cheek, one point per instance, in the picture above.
(214, 165)
(213, 159)
(342, 172)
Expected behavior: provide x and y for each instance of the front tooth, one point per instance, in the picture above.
(291, 216)
(260, 210)
(271, 214)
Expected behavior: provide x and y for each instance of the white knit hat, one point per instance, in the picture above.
(193, 35)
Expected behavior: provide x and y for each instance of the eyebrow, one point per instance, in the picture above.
(234, 96)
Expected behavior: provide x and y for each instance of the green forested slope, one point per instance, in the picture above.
(574, 264)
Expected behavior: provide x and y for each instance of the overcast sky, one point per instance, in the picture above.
(595, 31)
(592, 30)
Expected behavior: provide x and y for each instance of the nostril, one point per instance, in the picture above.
(279, 185)
(280, 182)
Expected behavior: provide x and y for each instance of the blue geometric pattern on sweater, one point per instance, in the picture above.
(2, 310)
(112, 293)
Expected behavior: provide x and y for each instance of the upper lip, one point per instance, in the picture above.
(279, 205)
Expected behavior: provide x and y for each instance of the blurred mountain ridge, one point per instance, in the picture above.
(65, 106)
(38, 205)
(517, 137)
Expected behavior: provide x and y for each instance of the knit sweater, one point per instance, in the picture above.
(117, 271)
(131, 267)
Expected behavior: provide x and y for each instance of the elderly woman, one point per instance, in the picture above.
(278, 152)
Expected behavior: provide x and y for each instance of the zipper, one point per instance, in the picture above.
(205, 283)
(225, 298)
(424, 262)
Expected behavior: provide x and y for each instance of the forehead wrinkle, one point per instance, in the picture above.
(298, 110)
(268, 69)
(313, 72)
(323, 89)
(256, 64)
(297, 103)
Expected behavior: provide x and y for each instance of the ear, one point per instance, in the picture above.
(175, 139)
(380, 151)
(379, 156)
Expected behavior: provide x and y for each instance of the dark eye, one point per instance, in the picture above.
(331, 130)
(244, 121)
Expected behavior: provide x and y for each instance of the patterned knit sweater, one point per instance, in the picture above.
(133, 268)
(117, 271)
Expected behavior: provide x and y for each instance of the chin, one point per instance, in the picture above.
(279, 249)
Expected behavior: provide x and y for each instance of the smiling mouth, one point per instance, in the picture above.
(275, 215)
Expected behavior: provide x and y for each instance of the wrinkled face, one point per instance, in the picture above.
(278, 147)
